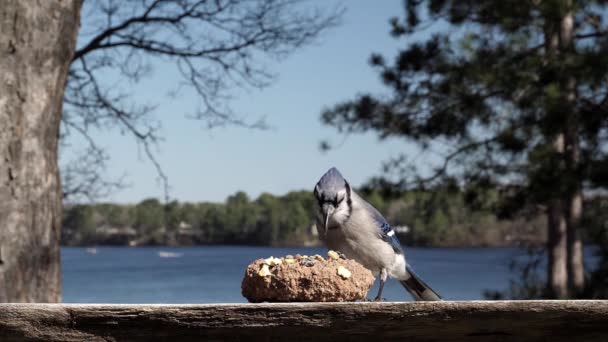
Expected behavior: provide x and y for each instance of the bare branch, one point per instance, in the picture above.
(598, 34)
(216, 46)
(82, 177)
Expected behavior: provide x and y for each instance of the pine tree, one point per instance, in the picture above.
(516, 95)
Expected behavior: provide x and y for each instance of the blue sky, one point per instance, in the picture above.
(209, 165)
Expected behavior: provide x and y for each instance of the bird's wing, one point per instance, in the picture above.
(385, 230)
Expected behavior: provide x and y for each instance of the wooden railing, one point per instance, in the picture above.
(570, 321)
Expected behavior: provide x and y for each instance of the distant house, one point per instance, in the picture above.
(115, 236)
(184, 228)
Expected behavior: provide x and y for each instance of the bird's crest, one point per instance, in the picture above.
(332, 180)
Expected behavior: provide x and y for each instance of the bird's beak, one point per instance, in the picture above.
(327, 212)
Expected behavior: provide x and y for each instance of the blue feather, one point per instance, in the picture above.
(385, 230)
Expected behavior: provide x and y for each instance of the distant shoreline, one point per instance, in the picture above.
(284, 246)
(426, 219)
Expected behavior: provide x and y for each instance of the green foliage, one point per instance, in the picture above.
(149, 217)
(81, 216)
(435, 218)
(375, 199)
(268, 220)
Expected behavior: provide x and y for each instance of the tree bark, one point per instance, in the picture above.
(576, 262)
(574, 200)
(557, 267)
(565, 210)
(37, 40)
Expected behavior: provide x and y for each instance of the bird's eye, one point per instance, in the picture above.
(337, 201)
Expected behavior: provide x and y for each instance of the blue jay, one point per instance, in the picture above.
(348, 224)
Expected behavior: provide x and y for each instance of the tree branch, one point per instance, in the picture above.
(216, 46)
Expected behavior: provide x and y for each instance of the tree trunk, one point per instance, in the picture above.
(557, 269)
(573, 199)
(556, 245)
(37, 40)
(576, 263)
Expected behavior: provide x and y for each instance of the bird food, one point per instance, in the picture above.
(344, 272)
(306, 279)
(264, 271)
(333, 255)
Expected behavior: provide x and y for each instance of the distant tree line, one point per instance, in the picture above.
(440, 217)
(268, 220)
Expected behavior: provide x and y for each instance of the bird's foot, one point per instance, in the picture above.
(379, 299)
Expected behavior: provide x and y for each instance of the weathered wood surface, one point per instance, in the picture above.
(432, 321)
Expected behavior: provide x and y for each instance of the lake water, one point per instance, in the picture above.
(213, 274)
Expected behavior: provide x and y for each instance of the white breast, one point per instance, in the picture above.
(358, 238)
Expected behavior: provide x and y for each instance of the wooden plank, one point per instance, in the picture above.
(422, 321)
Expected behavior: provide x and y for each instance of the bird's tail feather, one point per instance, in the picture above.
(418, 288)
